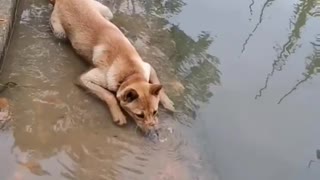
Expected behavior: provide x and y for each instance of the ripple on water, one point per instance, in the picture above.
(153, 158)
(36, 19)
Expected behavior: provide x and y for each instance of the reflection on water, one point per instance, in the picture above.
(262, 11)
(250, 7)
(312, 67)
(302, 12)
(60, 132)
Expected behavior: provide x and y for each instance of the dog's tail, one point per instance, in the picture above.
(52, 2)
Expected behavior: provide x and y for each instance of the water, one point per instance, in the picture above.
(242, 73)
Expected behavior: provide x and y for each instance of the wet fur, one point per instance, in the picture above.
(117, 67)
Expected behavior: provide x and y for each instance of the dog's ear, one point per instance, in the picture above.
(129, 95)
(155, 89)
(52, 2)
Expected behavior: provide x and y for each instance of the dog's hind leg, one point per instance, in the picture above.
(164, 99)
(104, 10)
(94, 80)
(56, 26)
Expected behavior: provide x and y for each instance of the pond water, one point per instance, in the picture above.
(243, 75)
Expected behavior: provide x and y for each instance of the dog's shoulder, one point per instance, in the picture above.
(146, 67)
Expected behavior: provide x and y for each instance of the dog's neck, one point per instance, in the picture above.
(133, 78)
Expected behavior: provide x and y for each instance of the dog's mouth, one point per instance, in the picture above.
(146, 130)
(143, 127)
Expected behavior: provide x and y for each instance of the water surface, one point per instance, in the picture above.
(243, 75)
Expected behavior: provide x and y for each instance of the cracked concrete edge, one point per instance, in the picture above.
(8, 10)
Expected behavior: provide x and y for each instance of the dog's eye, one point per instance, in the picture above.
(140, 115)
(155, 113)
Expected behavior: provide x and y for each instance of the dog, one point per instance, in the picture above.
(118, 75)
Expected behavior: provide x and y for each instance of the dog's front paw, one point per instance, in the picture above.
(119, 118)
(167, 103)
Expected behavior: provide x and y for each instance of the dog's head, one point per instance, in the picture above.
(141, 100)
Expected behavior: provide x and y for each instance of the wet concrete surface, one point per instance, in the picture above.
(7, 14)
(244, 76)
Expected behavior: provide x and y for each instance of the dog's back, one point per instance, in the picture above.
(80, 23)
(86, 28)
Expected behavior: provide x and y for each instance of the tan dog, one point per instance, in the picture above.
(118, 68)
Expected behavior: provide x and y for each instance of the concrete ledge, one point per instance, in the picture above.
(7, 17)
